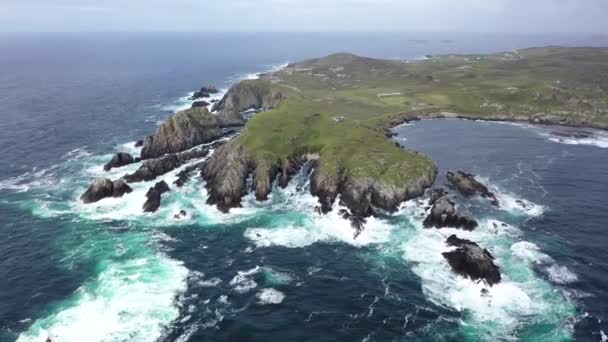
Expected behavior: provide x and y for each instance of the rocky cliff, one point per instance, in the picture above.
(183, 131)
(246, 95)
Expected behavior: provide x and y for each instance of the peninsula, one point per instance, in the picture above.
(337, 111)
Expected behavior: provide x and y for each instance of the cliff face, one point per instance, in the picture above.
(184, 130)
(243, 96)
(227, 171)
(226, 175)
(362, 195)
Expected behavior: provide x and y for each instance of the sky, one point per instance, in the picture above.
(503, 16)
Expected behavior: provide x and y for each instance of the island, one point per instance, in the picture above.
(337, 112)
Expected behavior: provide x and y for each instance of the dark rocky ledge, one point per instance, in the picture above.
(118, 160)
(468, 186)
(444, 214)
(154, 195)
(102, 188)
(472, 261)
(184, 130)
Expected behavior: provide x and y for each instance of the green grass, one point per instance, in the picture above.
(562, 84)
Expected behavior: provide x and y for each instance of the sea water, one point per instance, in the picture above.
(275, 270)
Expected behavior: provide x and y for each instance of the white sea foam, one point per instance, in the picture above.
(242, 282)
(498, 313)
(560, 274)
(270, 296)
(598, 141)
(131, 300)
(528, 251)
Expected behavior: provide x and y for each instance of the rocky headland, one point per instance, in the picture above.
(335, 114)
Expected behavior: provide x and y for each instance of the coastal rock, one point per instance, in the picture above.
(184, 176)
(152, 168)
(199, 104)
(443, 214)
(357, 222)
(154, 195)
(118, 160)
(226, 174)
(183, 131)
(436, 194)
(362, 195)
(468, 186)
(102, 188)
(243, 96)
(139, 143)
(325, 187)
(204, 92)
(119, 188)
(472, 261)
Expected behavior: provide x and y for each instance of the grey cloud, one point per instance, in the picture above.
(536, 16)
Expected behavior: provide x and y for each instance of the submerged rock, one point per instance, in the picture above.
(118, 160)
(154, 195)
(443, 214)
(468, 186)
(183, 131)
(472, 261)
(102, 188)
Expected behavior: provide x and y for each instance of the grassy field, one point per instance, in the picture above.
(338, 106)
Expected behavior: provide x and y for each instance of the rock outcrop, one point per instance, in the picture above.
(118, 160)
(152, 168)
(443, 214)
(226, 174)
(199, 104)
(472, 261)
(204, 92)
(468, 186)
(243, 96)
(154, 195)
(183, 131)
(102, 188)
(361, 196)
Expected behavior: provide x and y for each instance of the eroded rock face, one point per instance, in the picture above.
(152, 168)
(183, 131)
(244, 96)
(472, 261)
(118, 160)
(443, 214)
(102, 188)
(468, 186)
(226, 175)
(154, 195)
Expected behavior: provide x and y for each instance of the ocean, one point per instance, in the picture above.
(277, 271)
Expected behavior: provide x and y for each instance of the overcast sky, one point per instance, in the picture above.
(522, 16)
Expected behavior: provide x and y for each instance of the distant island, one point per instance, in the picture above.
(337, 112)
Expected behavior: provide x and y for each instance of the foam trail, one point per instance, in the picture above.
(522, 299)
(129, 300)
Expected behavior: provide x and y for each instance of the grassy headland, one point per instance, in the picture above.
(339, 106)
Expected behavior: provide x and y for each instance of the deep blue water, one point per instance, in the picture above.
(110, 273)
